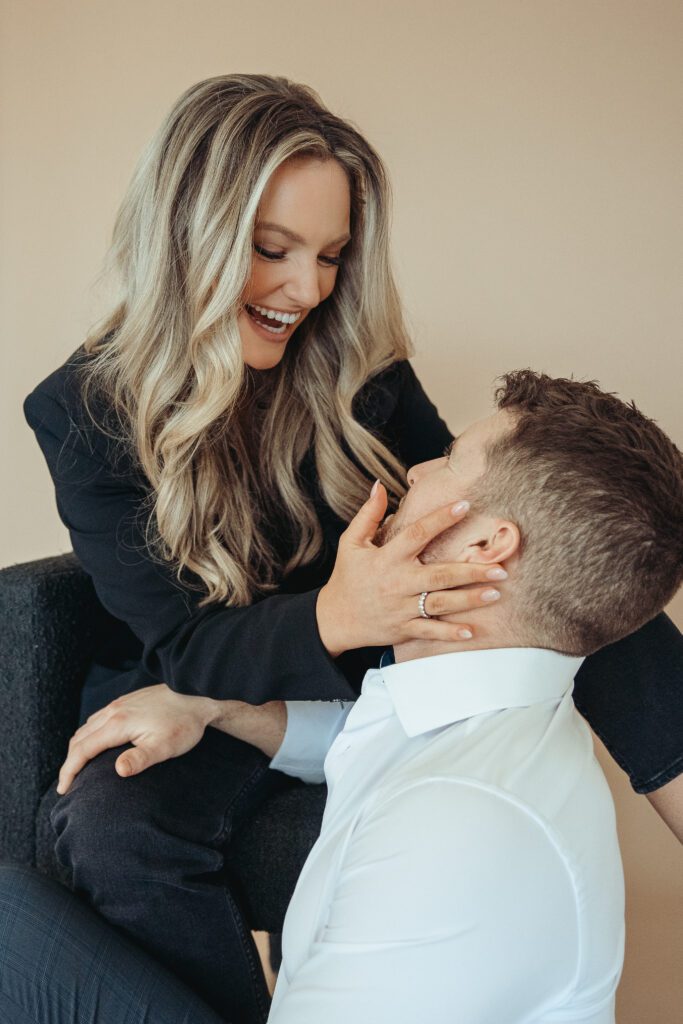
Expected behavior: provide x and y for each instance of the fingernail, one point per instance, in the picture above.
(496, 574)
(465, 634)
(490, 595)
(373, 492)
(462, 506)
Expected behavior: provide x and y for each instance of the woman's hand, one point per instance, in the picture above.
(371, 598)
(159, 722)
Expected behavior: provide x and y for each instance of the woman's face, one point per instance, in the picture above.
(301, 228)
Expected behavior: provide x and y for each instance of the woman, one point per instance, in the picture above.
(209, 444)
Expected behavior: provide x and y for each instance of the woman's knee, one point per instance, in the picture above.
(101, 822)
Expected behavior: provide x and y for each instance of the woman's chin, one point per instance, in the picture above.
(263, 361)
(261, 353)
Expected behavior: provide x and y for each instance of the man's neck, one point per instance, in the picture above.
(486, 638)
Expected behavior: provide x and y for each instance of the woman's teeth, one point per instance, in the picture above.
(272, 314)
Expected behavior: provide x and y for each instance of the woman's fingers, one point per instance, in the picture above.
(436, 629)
(366, 522)
(448, 575)
(455, 602)
(413, 539)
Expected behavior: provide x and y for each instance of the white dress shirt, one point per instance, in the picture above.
(467, 870)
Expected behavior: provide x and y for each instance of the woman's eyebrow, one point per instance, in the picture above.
(292, 235)
(450, 448)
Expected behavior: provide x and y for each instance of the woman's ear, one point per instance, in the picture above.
(495, 544)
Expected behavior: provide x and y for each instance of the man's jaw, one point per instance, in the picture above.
(385, 530)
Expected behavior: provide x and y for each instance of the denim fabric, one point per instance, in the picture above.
(147, 852)
(60, 963)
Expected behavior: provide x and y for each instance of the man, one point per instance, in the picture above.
(468, 865)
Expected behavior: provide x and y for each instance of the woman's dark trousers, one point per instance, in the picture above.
(147, 852)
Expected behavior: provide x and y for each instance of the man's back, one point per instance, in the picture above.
(468, 867)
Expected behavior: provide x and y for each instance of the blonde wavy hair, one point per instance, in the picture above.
(168, 358)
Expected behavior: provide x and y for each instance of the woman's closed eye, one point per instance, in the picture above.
(332, 261)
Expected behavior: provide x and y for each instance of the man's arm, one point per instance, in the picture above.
(261, 725)
(160, 724)
(296, 735)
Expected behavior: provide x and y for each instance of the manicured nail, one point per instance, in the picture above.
(462, 506)
(490, 595)
(373, 492)
(496, 574)
(465, 634)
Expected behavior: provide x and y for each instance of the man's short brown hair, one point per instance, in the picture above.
(596, 489)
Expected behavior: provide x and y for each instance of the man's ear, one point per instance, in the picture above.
(496, 542)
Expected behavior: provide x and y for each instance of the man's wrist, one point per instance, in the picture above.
(261, 725)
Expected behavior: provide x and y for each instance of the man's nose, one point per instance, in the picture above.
(416, 472)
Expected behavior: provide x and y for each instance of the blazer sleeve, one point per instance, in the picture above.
(631, 693)
(268, 650)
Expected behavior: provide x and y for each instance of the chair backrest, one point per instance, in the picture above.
(50, 618)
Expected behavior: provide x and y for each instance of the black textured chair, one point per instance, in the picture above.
(50, 621)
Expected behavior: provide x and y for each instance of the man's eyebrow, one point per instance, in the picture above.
(268, 225)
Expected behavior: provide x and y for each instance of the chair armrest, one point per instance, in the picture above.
(48, 610)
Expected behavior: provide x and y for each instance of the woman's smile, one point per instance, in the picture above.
(271, 324)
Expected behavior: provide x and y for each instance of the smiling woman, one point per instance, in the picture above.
(210, 444)
(297, 261)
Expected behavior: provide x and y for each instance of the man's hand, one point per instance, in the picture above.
(159, 722)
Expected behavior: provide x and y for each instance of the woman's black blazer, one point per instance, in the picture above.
(630, 692)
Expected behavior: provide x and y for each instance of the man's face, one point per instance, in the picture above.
(448, 479)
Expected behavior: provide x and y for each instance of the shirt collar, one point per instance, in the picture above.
(431, 692)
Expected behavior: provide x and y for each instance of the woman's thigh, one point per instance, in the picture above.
(60, 963)
(148, 852)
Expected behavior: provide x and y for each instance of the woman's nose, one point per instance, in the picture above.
(303, 287)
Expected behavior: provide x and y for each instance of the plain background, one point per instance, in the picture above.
(536, 154)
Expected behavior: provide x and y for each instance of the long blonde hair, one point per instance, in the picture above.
(168, 356)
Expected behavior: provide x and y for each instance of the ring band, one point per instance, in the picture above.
(421, 604)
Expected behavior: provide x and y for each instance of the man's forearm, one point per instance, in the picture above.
(261, 725)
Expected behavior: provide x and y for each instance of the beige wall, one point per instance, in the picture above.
(537, 158)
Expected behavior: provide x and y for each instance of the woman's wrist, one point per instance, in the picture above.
(330, 626)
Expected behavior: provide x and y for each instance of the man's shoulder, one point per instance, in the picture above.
(538, 761)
